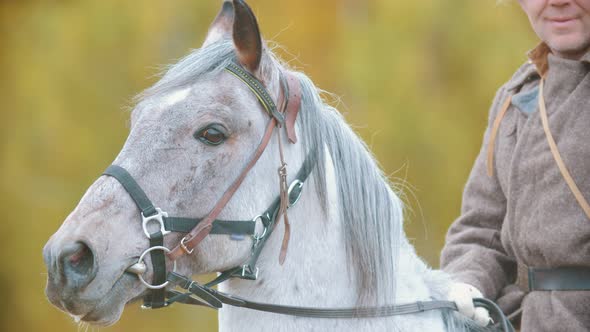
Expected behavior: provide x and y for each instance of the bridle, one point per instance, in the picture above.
(198, 229)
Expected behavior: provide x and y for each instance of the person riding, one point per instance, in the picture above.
(523, 236)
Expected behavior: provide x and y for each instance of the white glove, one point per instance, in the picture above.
(462, 294)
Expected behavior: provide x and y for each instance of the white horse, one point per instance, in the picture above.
(191, 133)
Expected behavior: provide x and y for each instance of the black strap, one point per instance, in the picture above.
(137, 194)
(574, 278)
(174, 224)
(214, 299)
(248, 270)
(560, 279)
(227, 227)
(362, 312)
(157, 297)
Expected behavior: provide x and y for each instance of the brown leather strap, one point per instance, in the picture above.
(192, 239)
(494, 133)
(555, 152)
(293, 105)
(284, 203)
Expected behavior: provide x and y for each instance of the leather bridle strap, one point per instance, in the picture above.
(157, 298)
(293, 101)
(557, 156)
(175, 224)
(226, 227)
(359, 312)
(494, 133)
(552, 146)
(137, 194)
(257, 88)
(196, 235)
(215, 299)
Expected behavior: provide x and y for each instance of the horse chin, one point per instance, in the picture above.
(109, 308)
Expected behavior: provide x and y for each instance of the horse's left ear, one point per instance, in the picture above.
(222, 26)
(246, 36)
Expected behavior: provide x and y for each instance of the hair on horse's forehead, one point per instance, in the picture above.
(175, 96)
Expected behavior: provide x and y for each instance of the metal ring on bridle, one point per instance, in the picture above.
(140, 260)
(257, 237)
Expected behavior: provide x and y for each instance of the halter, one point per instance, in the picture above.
(198, 229)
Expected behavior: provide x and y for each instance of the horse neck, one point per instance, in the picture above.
(306, 277)
(316, 272)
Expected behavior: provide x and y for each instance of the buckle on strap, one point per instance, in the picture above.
(202, 292)
(157, 217)
(184, 247)
(265, 220)
(247, 272)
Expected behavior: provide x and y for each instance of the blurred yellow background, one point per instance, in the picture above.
(415, 79)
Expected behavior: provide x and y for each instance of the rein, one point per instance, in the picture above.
(198, 229)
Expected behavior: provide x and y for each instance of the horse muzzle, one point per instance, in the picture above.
(71, 267)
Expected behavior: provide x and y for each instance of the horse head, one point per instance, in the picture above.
(190, 134)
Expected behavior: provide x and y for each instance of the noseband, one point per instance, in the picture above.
(198, 229)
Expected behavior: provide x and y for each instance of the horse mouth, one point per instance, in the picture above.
(110, 307)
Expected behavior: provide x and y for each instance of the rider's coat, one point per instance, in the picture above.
(525, 212)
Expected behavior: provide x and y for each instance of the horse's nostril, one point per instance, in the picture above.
(80, 257)
(77, 264)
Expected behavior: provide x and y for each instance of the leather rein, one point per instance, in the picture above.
(197, 229)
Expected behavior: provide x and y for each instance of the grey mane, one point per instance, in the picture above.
(371, 213)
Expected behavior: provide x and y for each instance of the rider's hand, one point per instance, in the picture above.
(463, 294)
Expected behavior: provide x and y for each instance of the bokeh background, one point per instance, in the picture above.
(415, 78)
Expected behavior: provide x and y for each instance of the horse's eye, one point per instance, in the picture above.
(212, 135)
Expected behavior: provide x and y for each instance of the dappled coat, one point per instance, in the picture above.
(525, 212)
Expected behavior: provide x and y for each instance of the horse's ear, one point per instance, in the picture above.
(246, 36)
(222, 26)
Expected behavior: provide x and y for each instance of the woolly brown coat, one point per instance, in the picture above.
(525, 212)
